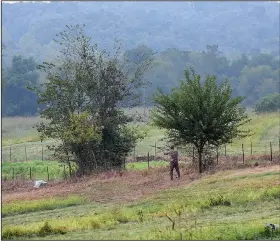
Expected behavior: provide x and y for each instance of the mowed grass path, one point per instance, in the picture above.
(227, 205)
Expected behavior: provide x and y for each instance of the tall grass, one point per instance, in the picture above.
(39, 170)
(20, 207)
(144, 165)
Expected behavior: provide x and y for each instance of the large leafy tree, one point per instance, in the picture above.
(200, 113)
(16, 99)
(84, 96)
(269, 103)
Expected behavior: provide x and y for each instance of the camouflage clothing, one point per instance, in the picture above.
(173, 163)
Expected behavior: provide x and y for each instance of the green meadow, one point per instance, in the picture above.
(21, 141)
(226, 205)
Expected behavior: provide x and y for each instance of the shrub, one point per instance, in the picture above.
(46, 229)
(269, 103)
(218, 201)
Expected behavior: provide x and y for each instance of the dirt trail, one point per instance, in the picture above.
(119, 187)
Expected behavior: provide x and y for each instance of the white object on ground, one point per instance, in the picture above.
(40, 183)
(272, 226)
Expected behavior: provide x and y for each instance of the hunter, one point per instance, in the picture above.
(173, 161)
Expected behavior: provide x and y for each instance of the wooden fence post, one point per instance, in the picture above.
(251, 148)
(48, 173)
(25, 153)
(193, 155)
(217, 155)
(279, 145)
(124, 163)
(134, 155)
(10, 153)
(243, 153)
(155, 149)
(69, 164)
(64, 171)
(148, 160)
(13, 173)
(225, 150)
(30, 174)
(270, 151)
(42, 152)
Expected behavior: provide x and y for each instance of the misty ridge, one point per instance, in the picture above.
(234, 40)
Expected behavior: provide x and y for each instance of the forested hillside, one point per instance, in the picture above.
(234, 40)
(237, 27)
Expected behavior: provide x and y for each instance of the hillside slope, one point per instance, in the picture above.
(28, 28)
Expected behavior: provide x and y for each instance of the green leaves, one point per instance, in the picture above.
(83, 96)
(198, 113)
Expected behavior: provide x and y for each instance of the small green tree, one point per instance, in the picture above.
(200, 114)
(269, 103)
(84, 97)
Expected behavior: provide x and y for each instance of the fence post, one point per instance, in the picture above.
(225, 150)
(217, 155)
(124, 163)
(30, 173)
(279, 145)
(64, 171)
(25, 153)
(148, 160)
(42, 153)
(243, 153)
(155, 149)
(193, 155)
(69, 164)
(270, 151)
(134, 155)
(48, 173)
(10, 153)
(251, 148)
(13, 173)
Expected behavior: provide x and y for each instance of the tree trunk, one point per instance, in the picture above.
(200, 161)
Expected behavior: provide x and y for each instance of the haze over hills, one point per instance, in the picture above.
(234, 40)
(237, 27)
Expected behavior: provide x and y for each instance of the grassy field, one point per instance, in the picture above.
(53, 170)
(232, 204)
(21, 142)
(139, 203)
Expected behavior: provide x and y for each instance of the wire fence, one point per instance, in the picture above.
(40, 151)
(47, 170)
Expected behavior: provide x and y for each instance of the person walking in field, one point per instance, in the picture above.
(173, 161)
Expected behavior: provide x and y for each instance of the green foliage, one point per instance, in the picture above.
(200, 114)
(17, 100)
(84, 97)
(80, 129)
(269, 103)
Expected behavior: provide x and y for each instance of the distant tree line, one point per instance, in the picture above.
(254, 76)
